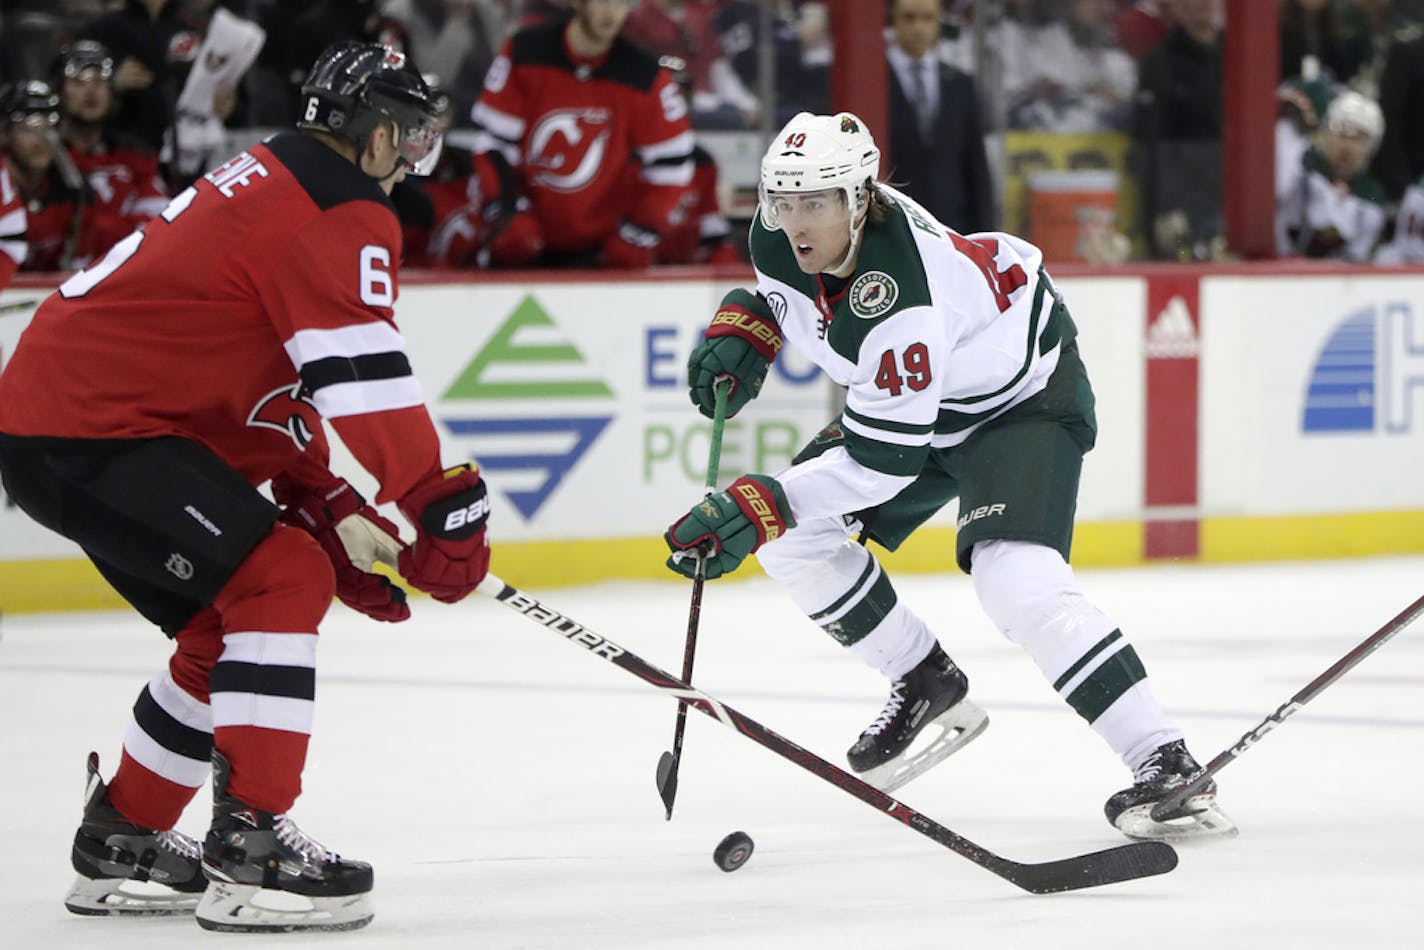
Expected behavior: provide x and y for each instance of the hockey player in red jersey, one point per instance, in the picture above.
(13, 222)
(124, 184)
(583, 148)
(143, 406)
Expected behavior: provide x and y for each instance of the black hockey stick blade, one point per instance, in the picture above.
(1115, 865)
(667, 781)
(1307, 692)
(1126, 862)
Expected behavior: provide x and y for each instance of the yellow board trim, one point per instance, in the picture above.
(74, 584)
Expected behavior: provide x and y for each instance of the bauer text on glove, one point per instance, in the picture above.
(740, 344)
(451, 552)
(730, 525)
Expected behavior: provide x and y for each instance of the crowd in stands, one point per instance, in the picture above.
(581, 120)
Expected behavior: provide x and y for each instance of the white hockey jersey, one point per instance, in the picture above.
(1317, 215)
(1408, 244)
(934, 334)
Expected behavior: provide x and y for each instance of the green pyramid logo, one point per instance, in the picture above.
(528, 358)
(522, 340)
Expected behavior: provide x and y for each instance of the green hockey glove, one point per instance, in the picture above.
(729, 525)
(740, 345)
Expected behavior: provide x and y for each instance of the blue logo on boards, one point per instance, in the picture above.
(552, 466)
(1369, 370)
(526, 366)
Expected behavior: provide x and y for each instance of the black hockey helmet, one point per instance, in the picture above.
(75, 58)
(29, 102)
(354, 87)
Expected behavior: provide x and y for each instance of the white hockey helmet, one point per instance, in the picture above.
(816, 153)
(1352, 111)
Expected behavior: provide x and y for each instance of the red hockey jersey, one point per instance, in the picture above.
(71, 227)
(12, 227)
(594, 143)
(699, 233)
(258, 300)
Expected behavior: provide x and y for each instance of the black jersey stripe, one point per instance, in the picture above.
(168, 732)
(292, 682)
(886, 425)
(331, 370)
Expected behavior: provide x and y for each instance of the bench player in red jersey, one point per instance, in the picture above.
(583, 148)
(150, 397)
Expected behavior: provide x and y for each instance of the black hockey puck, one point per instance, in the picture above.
(733, 851)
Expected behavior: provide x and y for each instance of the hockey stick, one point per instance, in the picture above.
(18, 306)
(668, 762)
(1123, 863)
(1311, 690)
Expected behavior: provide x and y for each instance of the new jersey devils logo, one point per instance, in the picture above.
(288, 410)
(567, 147)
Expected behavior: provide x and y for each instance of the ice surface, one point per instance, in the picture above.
(501, 780)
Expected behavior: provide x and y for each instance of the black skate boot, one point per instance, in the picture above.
(930, 696)
(1167, 769)
(249, 851)
(126, 869)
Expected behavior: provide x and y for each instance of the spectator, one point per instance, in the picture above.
(1327, 205)
(936, 136)
(1400, 159)
(296, 35)
(1071, 78)
(683, 28)
(454, 40)
(583, 149)
(1142, 26)
(798, 85)
(153, 43)
(1315, 41)
(124, 184)
(1178, 130)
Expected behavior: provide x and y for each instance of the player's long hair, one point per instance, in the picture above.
(880, 204)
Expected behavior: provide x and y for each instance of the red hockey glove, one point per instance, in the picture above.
(451, 552)
(354, 536)
(631, 246)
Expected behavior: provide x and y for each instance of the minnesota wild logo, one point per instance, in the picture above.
(872, 294)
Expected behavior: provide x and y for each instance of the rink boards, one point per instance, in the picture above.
(1245, 413)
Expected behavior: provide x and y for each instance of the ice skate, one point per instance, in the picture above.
(126, 869)
(1168, 768)
(931, 699)
(266, 875)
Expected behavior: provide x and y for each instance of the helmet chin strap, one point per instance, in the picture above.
(378, 179)
(857, 227)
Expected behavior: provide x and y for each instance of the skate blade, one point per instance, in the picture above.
(957, 726)
(1205, 820)
(244, 908)
(112, 897)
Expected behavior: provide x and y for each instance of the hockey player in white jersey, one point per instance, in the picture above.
(962, 380)
(1327, 203)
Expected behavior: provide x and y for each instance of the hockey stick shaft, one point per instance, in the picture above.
(670, 762)
(1308, 692)
(18, 306)
(1123, 863)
